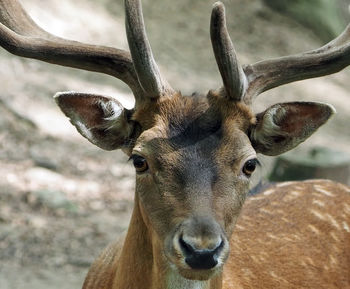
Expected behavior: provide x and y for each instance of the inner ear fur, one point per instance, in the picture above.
(285, 125)
(100, 119)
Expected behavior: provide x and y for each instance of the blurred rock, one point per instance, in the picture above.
(41, 179)
(317, 163)
(54, 200)
(44, 163)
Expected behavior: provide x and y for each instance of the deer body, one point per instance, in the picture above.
(194, 156)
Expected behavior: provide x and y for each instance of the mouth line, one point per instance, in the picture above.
(193, 274)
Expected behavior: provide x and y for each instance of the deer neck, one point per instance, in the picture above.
(142, 264)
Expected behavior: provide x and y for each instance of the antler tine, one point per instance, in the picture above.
(15, 18)
(231, 71)
(20, 35)
(330, 58)
(146, 68)
(339, 41)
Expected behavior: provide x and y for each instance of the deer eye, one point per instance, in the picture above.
(250, 166)
(140, 163)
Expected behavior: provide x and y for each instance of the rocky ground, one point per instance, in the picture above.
(61, 199)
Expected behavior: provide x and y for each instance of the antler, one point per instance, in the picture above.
(20, 35)
(144, 63)
(265, 75)
(232, 74)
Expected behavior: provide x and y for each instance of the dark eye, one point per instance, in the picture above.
(140, 163)
(250, 166)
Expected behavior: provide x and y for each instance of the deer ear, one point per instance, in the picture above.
(285, 125)
(100, 119)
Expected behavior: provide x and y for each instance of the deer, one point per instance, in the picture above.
(193, 225)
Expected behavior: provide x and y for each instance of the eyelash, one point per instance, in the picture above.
(250, 166)
(139, 162)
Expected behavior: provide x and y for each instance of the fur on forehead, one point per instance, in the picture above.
(202, 113)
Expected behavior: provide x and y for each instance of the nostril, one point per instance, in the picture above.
(186, 248)
(200, 259)
(220, 246)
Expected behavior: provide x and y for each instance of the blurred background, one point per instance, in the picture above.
(62, 199)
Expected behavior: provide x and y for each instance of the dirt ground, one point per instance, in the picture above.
(61, 199)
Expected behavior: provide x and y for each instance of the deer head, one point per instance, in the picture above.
(193, 155)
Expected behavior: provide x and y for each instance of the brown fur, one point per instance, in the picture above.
(292, 236)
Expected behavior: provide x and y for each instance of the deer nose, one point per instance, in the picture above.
(203, 258)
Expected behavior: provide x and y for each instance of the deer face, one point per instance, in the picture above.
(193, 158)
(193, 167)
